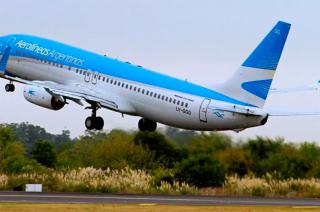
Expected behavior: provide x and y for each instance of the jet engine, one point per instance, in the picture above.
(39, 96)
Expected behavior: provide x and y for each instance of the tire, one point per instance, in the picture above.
(99, 123)
(7, 87)
(90, 123)
(12, 87)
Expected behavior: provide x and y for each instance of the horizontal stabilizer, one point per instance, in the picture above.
(292, 112)
(298, 88)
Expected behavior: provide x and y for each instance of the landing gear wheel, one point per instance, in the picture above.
(147, 125)
(9, 87)
(99, 123)
(90, 123)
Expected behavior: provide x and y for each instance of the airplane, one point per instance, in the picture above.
(54, 74)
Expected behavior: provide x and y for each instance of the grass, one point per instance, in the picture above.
(137, 181)
(23, 207)
(95, 180)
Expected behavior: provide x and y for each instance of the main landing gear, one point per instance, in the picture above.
(94, 122)
(10, 87)
(147, 125)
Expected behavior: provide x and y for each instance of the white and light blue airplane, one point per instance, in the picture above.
(55, 73)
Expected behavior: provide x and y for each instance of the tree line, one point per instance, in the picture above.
(200, 159)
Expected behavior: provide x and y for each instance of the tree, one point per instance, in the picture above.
(208, 143)
(29, 134)
(165, 152)
(288, 163)
(236, 160)
(106, 150)
(44, 153)
(180, 137)
(201, 170)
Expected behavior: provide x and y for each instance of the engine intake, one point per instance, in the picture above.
(39, 96)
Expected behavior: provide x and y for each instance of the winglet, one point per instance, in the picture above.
(4, 60)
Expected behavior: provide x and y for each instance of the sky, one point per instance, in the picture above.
(203, 41)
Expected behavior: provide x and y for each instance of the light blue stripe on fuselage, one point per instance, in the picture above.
(105, 65)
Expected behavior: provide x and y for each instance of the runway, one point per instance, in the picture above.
(23, 197)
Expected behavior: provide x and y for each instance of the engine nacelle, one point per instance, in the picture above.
(39, 96)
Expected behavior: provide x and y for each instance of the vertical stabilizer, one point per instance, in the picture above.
(252, 81)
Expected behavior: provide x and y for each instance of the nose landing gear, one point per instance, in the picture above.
(94, 122)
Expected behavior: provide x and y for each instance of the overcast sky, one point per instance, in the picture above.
(203, 41)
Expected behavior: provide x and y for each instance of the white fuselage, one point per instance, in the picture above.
(161, 105)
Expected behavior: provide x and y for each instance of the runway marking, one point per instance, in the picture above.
(306, 207)
(147, 204)
(161, 200)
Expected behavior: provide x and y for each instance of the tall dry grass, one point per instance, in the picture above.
(95, 180)
(141, 182)
(269, 187)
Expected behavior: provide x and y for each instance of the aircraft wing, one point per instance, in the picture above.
(79, 92)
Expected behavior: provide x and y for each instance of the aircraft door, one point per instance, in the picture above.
(203, 110)
(87, 76)
(94, 78)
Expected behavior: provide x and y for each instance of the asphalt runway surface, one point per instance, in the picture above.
(22, 197)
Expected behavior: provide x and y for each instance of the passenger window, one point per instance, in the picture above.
(79, 72)
(127, 86)
(147, 93)
(178, 102)
(122, 85)
(151, 93)
(182, 104)
(111, 81)
(159, 96)
(119, 83)
(155, 95)
(170, 100)
(166, 99)
(138, 90)
(130, 87)
(104, 78)
(186, 105)
(115, 82)
(99, 77)
(135, 88)
(174, 101)
(162, 98)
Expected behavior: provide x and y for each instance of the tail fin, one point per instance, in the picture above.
(252, 81)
